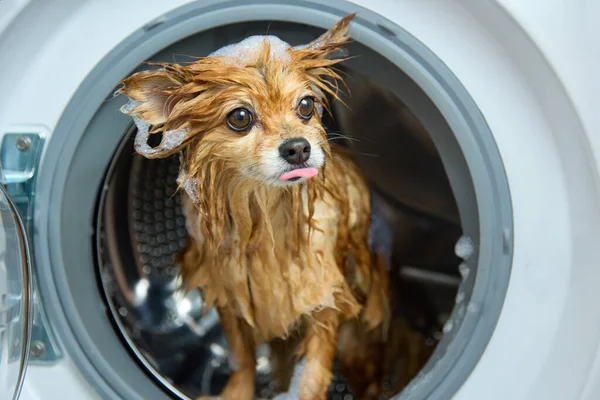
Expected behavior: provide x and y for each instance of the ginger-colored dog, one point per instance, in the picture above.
(279, 220)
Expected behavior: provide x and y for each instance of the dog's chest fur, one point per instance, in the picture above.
(279, 279)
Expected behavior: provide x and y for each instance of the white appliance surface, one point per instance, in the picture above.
(531, 67)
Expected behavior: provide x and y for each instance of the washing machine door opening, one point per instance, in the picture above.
(141, 230)
(422, 143)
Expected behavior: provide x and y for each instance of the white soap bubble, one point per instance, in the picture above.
(464, 247)
(188, 183)
(171, 139)
(464, 269)
(239, 53)
(448, 326)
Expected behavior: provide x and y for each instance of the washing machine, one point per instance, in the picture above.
(474, 121)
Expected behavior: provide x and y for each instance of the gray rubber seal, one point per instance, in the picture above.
(91, 129)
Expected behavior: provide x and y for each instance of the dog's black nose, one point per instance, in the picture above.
(295, 151)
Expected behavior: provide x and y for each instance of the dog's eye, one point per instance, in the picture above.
(306, 108)
(239, 119)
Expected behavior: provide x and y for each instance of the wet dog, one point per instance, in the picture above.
(279, 218)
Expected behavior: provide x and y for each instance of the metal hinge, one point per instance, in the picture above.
(19, 157)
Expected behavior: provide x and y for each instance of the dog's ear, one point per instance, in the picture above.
(318, 58)
(330, 45)
(156, 91)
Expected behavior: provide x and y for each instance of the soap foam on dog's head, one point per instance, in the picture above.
(244, 52)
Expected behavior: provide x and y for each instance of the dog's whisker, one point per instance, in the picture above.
(366, 154)
(363, 138)
(342, 136)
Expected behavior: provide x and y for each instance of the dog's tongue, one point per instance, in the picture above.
(299, 173)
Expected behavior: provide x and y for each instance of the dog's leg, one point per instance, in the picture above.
(283, 360)
(362, 341)
(242, 350)
(318, 350)
(240, 339)
(361, 353)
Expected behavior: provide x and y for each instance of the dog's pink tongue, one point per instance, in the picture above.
(299, 173)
